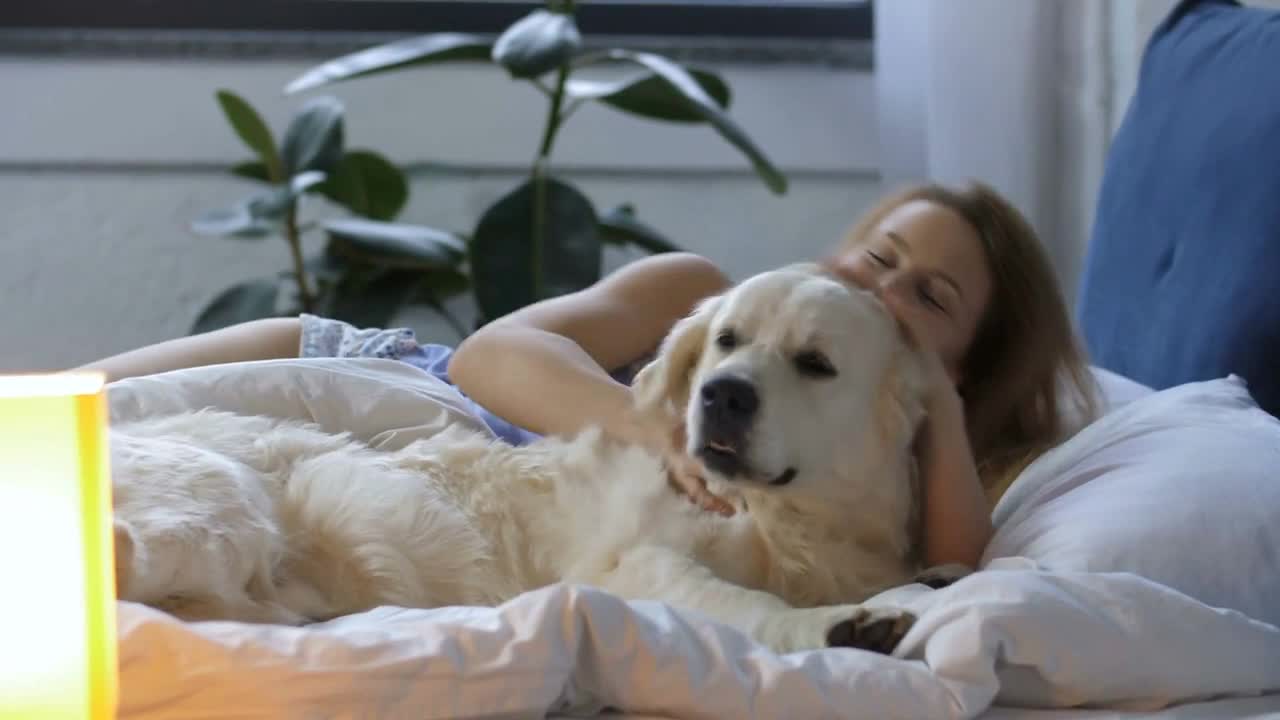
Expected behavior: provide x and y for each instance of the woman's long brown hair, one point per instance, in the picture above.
(1025, 371)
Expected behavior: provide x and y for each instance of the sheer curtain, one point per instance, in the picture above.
(1017, 94)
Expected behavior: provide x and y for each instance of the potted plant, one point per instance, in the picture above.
(541, 239)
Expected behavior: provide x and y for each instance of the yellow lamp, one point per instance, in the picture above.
(57, 596)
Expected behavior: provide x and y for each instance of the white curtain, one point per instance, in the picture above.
(1016, 93)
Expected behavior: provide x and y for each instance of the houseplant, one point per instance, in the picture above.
(545, 236)
(370, 267)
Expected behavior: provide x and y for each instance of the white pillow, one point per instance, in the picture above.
(1181, 486)
(1117, 390)
(1113, 390)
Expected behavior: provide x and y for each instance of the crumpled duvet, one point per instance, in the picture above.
(1013, 635)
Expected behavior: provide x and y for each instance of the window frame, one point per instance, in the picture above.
(849, 20)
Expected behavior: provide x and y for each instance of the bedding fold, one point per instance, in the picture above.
(1014, 634)
(1011, 635)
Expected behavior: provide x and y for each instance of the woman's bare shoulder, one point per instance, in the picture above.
(625, 314)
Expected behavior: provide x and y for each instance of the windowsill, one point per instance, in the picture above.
(259, 46)
(810, 105)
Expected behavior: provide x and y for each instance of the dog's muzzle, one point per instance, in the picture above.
(729, 408)
(729, 404)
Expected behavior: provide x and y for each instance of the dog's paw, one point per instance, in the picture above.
(941, 576)
(877, 630)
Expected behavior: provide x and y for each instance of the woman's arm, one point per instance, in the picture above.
(256, 340)
(956, 519)
(546, 367)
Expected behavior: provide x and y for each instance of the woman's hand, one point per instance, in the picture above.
(956, 518)
(941, 380)
(688, 476)
(941, 394)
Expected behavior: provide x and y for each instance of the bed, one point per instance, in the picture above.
(1135, 570)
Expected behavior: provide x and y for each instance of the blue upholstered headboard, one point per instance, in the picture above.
(1182, 281)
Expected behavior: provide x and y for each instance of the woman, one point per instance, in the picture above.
(961, 270)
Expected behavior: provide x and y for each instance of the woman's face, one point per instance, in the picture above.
(927, 264)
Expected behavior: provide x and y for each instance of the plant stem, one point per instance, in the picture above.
(570, 109)
(540, 167)
(542, 88)
(553, 115)
(295, 249)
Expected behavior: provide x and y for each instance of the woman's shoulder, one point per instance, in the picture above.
(682, 273)
(668, 286)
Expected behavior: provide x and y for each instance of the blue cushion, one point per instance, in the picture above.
(1182, 281)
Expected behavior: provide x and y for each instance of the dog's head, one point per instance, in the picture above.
(791, 380)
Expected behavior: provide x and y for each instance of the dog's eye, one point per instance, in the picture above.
(814, 364)
(727, 339)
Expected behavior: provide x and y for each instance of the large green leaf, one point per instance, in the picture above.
(367, 184)
(418, 50)
(517, 260)
(274, 204)
(258, 215)
(239, 220)
(620, 227)
(394, 245)
(251, 128)
(440, 285)
(437, 287)
(537, 43)
(253, 170)
(369, 296)
(239, 303)
(699, 101)
(325, 267)
(314, 138)
(305, 181)
(648, 95)
(364, 182)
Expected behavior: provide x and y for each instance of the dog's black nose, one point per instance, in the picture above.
(730, 402)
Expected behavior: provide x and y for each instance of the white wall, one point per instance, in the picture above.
(103, 164)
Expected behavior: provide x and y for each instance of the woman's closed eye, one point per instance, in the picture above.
(878, 258)
(931, 298)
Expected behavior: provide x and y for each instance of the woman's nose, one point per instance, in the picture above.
(873, 285)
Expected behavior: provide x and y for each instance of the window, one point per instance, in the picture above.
(798, 19)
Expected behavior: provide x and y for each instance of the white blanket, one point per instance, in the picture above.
(1011, 634)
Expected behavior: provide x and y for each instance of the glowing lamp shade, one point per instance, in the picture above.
(57, 606)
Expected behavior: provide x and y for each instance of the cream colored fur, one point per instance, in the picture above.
(248, 518)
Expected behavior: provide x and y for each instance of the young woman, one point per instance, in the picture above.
(961, 269)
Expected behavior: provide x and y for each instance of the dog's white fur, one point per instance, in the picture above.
(254, 519)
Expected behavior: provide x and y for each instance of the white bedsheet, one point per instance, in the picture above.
(1011, 635)
(1015, 635)
(1249, 708)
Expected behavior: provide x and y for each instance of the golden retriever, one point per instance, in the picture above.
(798, 392)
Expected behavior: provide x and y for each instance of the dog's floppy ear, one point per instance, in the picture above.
(902, 396)
(662, 387)
(900, 414)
